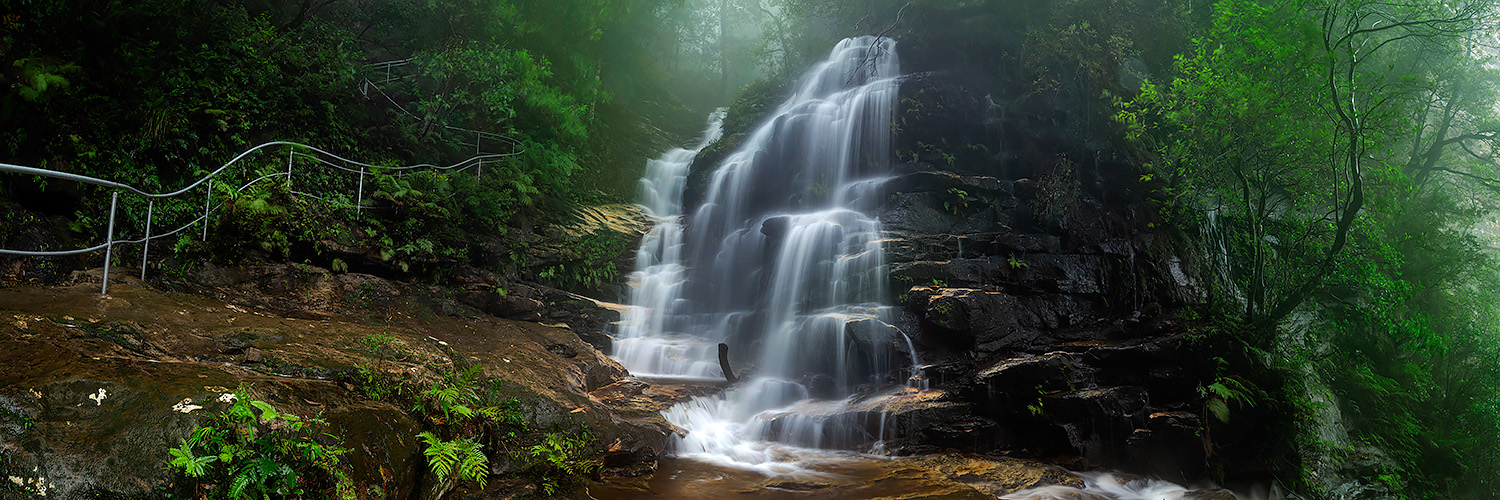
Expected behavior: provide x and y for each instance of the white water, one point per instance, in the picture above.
(643, 345)
(1103, 486)
(783, 262)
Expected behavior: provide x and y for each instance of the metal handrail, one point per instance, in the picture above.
(386, 66)
(320, 156)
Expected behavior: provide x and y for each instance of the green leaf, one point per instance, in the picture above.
(1219, 408)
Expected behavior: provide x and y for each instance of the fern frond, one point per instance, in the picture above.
(1219, 408)
(238, 485)
(267, 412)
(475, 465)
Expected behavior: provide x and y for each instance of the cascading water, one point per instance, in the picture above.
(644, 345)
(783, 262)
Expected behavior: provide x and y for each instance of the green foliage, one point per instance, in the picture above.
(38, 77)
(1225, 390)
(1037, 408)
(381, 345)
(252, 451)
(469, 415)
(463, 458)
(754, 103)
(456, 398)
(376, 383)
(560, 459)
(1080, 49)
(591, 262)
(201, 81)
(1016, 263)
(1057, 192)
(1312, 145)
(376, 380)
(956, 200)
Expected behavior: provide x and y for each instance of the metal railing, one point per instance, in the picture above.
(385, 72)
(320, 158)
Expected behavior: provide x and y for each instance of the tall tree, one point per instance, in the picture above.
(1281, 115)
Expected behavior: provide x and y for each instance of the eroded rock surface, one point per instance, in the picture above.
(96, 388)
(1035, 284)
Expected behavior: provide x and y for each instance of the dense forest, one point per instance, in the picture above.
(1330, 164)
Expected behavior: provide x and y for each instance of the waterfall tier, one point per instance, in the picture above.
(782, 262)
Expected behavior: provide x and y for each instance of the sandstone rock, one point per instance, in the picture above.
(871, 332)
(90, 409)
(997, 476)
(503, 306)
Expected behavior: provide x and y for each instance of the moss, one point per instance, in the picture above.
(751, 107)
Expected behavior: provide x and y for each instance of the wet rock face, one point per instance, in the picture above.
(95, 389)
(1032, 279)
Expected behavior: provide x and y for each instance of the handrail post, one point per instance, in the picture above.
(479, 172)
(477, 136)
(146, 244)
(207, 202)
(289, 152)
(360, 196)
(109, 242)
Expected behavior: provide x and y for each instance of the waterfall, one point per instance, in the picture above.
(658, 275)
(783, 262)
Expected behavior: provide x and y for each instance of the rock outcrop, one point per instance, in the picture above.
(1037, 286)
(96, 388)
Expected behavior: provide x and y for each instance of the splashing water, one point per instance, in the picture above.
(1105, 486)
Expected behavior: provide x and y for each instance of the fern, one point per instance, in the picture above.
(1225, 390)
(463, 455)
(183, 458)
(267, 456)
(238, 485)
(560, 459)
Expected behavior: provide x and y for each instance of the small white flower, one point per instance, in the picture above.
(98, 397)
(186, 406)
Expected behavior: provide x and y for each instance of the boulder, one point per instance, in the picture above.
(1054, 371)
(966, 318)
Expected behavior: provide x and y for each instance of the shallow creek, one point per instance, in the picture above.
(824, 475)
